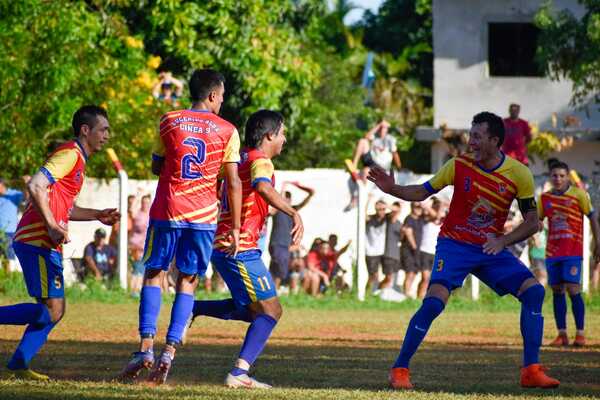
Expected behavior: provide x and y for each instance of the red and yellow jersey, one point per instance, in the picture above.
(65, 169)
(482, 198)
(194, 145)
(565, 213)
(255, 167)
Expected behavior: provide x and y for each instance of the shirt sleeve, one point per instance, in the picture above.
(232, 151)
(444, 177)
(540, 208)
(261, 170)
(60, 164)
(524, 182)
(585, 203)
(89, 251)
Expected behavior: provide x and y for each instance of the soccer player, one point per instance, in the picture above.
(192, 147)
(565, 206)
(43, 230)
(471, 240)
(249, 281)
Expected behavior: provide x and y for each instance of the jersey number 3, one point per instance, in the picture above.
(191, 161)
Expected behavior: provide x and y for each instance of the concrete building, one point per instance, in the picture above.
(483, 60)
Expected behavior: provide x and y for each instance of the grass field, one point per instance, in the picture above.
(328, 349)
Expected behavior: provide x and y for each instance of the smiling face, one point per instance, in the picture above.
(481, 144)
(559, 177)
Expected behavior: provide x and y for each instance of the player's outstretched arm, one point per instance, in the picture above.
(108, 216)
(234, 199)
(38, 190)
(385, 182)
(528, 227)
(274, 199)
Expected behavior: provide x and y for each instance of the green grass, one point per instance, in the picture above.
(326, 353)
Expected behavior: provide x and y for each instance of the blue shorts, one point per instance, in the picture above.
(42, 270)
(246, 276)
(191, 249)
(564, 269)
(503, 273)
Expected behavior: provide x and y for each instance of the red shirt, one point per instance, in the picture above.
(194, 145)
(65, 171)
(254, 167)
(517, 135)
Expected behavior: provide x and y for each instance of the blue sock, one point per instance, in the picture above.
(149, 309)
(24, 314)
(238, 371)
(417, 329)
(560, 310)
(34, 338)
(532, 323)
(181, 311)
(578, 309)
(256, 337)
(222, 309)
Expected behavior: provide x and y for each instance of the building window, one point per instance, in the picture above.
(511, 49)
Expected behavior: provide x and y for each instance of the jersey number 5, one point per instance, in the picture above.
(191, 160)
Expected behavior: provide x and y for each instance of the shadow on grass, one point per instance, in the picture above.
(456, 368)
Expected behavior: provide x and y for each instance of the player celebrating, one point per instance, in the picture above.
(565, 206)
(471, 241)
(192, 147)
(249, 281)
(42, 231)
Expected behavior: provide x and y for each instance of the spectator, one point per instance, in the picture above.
(375, 243)
(431, 229)
(99, 257)
(137, 238)
(317, 263)
(336, 272)
(409, 251)
(10, 200)
(168, 89)
(377, 147)
(297, 267)
(391, 254)
(537, 256)
(281, 237)
(517, 136)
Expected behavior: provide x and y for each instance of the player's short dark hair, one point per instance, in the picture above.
(204, 81)
(559, 165)
(259, 125)
(495, 125)
(514, 105)
(87, 115)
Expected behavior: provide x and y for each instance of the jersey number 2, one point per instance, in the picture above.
(191, 160)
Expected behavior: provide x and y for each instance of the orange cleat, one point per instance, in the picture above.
(400, 379)
(534, 376)
(579, 341)
(561, 340)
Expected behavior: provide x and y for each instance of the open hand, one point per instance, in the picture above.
(109, 216)
(381, 178)
(494, 245)
(234, 238)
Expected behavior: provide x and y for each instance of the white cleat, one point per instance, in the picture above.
(245, 382)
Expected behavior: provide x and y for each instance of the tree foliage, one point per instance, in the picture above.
(569, 47)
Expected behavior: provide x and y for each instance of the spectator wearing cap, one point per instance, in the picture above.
(99, 257)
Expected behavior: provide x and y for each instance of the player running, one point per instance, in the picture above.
(42, 231)
(249, 281)
(192, 147)
(471, 240)
(565, 206)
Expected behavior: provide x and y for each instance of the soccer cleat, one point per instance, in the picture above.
(400, 379)
(158, 375)
(245, 382)
(139, 360)
(534, 376)
(579, 341)
(561, 340)
(25, 375)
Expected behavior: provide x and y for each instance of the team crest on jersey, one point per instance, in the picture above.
(482, 214)
(559, 221)
(467, 183)
(574, 270)
(440, 265)
(57, 282)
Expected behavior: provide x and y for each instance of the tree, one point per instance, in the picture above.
(569, 47)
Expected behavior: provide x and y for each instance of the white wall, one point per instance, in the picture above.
(462, 86)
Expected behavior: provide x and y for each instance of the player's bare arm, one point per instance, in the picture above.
(385, 182)
(108, 216)
(310, 193)
(38, 190)
(528, 227)
(274, 199)
(234, 198)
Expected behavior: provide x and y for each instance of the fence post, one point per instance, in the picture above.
(123, 192)
(362, 275)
